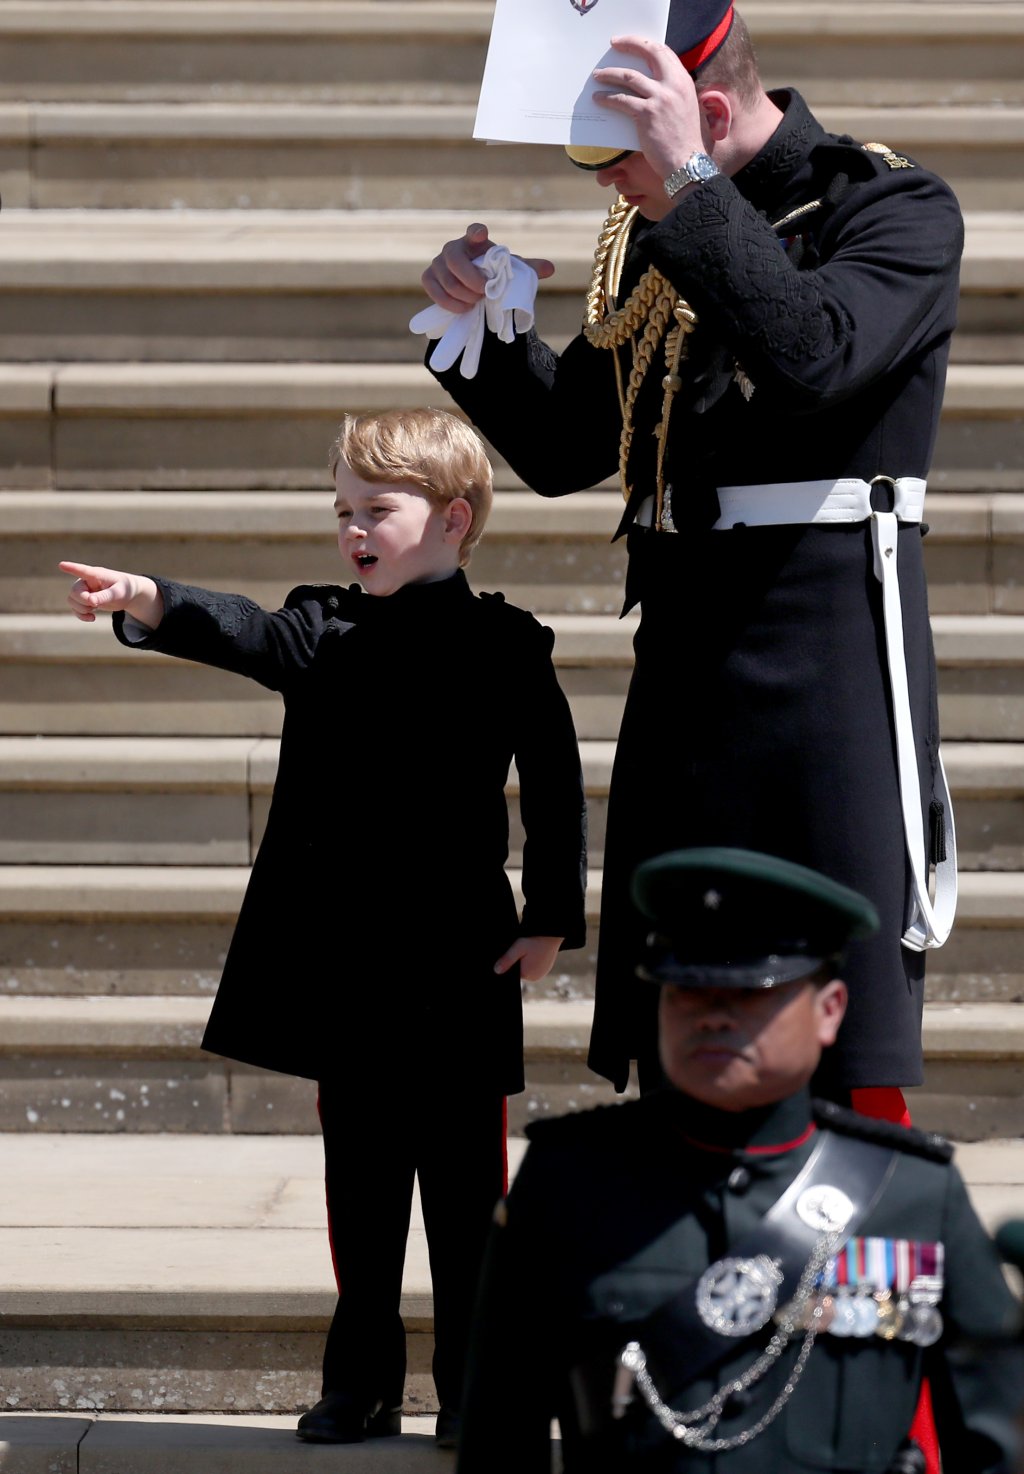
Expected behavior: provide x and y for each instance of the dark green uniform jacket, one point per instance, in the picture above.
(615, 1210)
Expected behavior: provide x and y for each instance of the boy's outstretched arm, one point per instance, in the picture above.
(535, 955)
(108, 591)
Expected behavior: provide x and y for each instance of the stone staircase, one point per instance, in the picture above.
(215, 218)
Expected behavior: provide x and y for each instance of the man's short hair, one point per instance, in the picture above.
(733, 68)
(430, 448)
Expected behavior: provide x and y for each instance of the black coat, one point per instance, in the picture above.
(615, 1211)
(378, 903)
(759, 713)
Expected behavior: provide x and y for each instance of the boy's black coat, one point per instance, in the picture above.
(378, 902)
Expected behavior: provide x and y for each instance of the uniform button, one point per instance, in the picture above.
(739, 1180)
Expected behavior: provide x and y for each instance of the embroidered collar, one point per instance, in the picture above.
(780, 173)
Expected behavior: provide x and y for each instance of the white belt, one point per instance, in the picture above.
(820, 502)
(849, 500)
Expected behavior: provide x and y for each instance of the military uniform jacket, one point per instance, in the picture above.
(824, 277)
(615, 1210)
(378, 902)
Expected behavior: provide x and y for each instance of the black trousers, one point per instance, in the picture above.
(379, 1136)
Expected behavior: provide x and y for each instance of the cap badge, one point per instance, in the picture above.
(712, 900)
(583, 6)
(736, 1297)
(825, 1209)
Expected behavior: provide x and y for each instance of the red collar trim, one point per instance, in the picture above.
(771, 1150)
(704, 50)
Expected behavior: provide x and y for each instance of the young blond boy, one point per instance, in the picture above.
(378, 949)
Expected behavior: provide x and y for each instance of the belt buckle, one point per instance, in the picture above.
(875, 502)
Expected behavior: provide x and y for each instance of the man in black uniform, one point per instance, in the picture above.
(720, 1277)
(763, 358)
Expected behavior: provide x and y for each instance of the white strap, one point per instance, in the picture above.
(929, 924)
(784, 503)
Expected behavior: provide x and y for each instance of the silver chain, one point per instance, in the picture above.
(707, 1417)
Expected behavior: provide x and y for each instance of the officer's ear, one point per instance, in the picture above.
(716, 112)
(830, 1007)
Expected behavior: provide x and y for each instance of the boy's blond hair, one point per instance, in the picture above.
(430, 448)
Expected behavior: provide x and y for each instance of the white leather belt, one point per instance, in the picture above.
(849, 500)
(820, 502)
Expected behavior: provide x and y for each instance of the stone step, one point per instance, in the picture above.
(95, 1063)
(268, 426)
(62, 677)
(545, 555)
(74, 931)
(549, 556)
(322, 285)
(354, 156)
(133, 1064)
(229, 1443)
(434, 50)
(204, 800)
(191, 1274)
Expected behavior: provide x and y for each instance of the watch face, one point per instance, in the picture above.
(699, 166)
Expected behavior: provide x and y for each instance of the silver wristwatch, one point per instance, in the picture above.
(698, 167)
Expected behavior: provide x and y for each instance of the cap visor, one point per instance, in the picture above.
(595, 158)
(764, 972)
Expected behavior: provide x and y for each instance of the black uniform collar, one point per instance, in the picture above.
(777, 176)
(441, 598)
(765, 1132)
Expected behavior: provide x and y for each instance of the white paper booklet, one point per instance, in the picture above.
(537, 85)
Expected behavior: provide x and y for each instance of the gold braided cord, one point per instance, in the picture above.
(675, 351)
(658, 319)
(652, 306)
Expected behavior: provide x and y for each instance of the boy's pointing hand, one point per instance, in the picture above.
(106, 590)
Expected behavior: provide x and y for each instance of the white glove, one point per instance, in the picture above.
(506, 308)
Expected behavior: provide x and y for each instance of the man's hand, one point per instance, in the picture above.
(454, 282)
(664, 106)
(105, 590)
(535, 955)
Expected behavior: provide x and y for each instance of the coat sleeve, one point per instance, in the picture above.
(887, 290)
(554, 417)
(977, 1369)
(234, 633)
(515, 1345)
(551, 797)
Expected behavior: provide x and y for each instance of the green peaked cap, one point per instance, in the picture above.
(739, 919)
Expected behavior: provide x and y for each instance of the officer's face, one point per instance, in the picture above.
(639, 184)
(737, 1048)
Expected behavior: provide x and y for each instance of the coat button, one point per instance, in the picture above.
(739, 1180)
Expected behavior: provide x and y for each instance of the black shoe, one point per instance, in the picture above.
(340, 1417)
(446, 1431)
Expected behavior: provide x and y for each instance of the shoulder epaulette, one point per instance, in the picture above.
(328, 595)
(888, 157)
(867, 1128)
(511, 615)
(499, 605)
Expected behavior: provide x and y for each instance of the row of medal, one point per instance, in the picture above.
(879, 1287)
